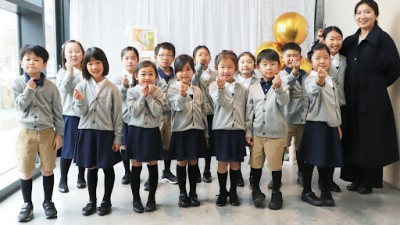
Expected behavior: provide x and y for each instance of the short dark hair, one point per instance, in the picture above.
(35, 49)
(291, 46)
(97, 54)
(226, 54)
(165, 45)
(129, 48)
(317, 47)
(268, 54)
(370, 3)
(198, 48)
(330, 29)
(63, 60)
(181, 61)
(141, 65)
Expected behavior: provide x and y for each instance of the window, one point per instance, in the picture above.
(50, 38)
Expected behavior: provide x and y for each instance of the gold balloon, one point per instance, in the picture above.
(290, 27)
(269, 45)
(305, 65)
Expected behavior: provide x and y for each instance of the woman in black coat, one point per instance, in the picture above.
(369, 137)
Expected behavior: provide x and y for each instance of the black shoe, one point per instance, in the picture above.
(240, 180)
(138, 207)
(194, 201)
(81, 183)
(326, 198)
(104, 209)
(26, 212)
(276, 200)
(352, 187)
(184, 201)
(310, 198)
(150, 206)
(258, 198)
(222, 198)
(49, 209)
(89, 209)
(146, 186)
(234, 199)
(169, 177)
(207, 176)
(125, 179)
(335, 187)
(63, 188)
(364, 190)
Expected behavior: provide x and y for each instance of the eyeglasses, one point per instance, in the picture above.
(165, 56)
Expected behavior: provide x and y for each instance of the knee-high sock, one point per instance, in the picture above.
(300, 163)
(48, 185)
(167, 162)
(234, 176)
(277, 179)
(192, 171)
(153, 181)
(307, 176)
(181, 174)
(125, 161)
(109, 178)
(222, 177)
(64, 169)
(26, 188)
(81, 173)
(92, 184)
(135, 182)
(256, 177)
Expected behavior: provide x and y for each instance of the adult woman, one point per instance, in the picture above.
(373, 64)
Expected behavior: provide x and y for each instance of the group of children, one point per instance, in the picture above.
(155, 111)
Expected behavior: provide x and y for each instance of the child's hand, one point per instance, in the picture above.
(144, 89)
(320, 36)
(151, 89)
(340, 133)
(277, 81)
(183, 89)
(58, 142)
(202, 60)
(115, 147)
(78, 95)
(220, 82)
(125, 81)
(69, 65)
(296, 67)
(31, 85)
(322, 74)
(249, 141)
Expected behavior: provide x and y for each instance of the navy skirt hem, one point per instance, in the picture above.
(144, 144)
(70, 136)
(187, 145)
(230, 145)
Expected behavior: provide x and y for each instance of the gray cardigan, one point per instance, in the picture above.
(187, 113)
(102, 111)
(145, 111)
(297, 108)
(204, 86)
(229, 108)
(38, 109)
(265, 113)
(324, 101)
(66, 85)
(160, 82)
(338, 77)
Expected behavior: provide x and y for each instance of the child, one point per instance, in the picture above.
(189, 128)
(144, 102)
(321, 145)
(164, 54)
(246, 77)
(204, 76)
(67, 78)
(297, 108)
(98, 102)
(38, 104)
(229, 98)
(333, 38)
(124, 80)
(266, 126)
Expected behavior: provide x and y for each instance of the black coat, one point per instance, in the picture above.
(370, 139)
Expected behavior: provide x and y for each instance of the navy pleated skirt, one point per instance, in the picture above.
(321, 145)
(124, 134)
(94, 149)
(229, 145)
(187, 145)
(70, 136)
(144, 144)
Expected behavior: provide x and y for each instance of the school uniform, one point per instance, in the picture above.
(321, 145)
(100, 125)
(228, 123)
(144, 138)
(246, 82)
(189, 123)
(66, 85)
(337, 72)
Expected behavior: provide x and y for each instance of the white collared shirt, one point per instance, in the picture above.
(335, 60)
(97, 86)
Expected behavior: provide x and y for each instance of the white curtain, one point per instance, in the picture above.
(238, 25)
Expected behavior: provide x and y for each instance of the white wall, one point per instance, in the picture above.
(341, 13)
